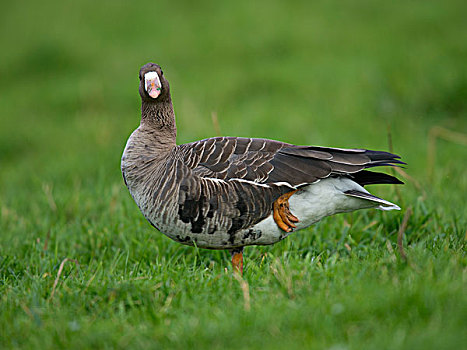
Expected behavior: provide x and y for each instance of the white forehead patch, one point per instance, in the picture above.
(152, 84)
(151, 76)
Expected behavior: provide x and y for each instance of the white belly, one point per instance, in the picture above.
(314, 202)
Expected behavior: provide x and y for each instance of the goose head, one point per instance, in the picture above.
(153, 86)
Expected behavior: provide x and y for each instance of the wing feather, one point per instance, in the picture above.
(267, 161)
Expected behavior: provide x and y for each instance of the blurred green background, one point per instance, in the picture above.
(333, 73)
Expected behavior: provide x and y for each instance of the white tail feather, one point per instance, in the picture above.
(385, 205)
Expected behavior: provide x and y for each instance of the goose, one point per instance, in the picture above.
(232, 192)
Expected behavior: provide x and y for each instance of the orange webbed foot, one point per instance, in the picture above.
(282, 215)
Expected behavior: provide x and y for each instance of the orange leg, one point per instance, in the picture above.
(237, 260)
(281, 213)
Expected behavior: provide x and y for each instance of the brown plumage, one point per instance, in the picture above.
(219, 193)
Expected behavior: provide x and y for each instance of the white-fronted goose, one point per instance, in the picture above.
(230, 192)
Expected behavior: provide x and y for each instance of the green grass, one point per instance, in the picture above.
(337, 73)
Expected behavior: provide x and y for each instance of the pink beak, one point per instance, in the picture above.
(152, 84)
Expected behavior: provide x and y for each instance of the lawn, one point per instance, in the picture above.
(81, 268)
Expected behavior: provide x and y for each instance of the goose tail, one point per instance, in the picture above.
(383, 204)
